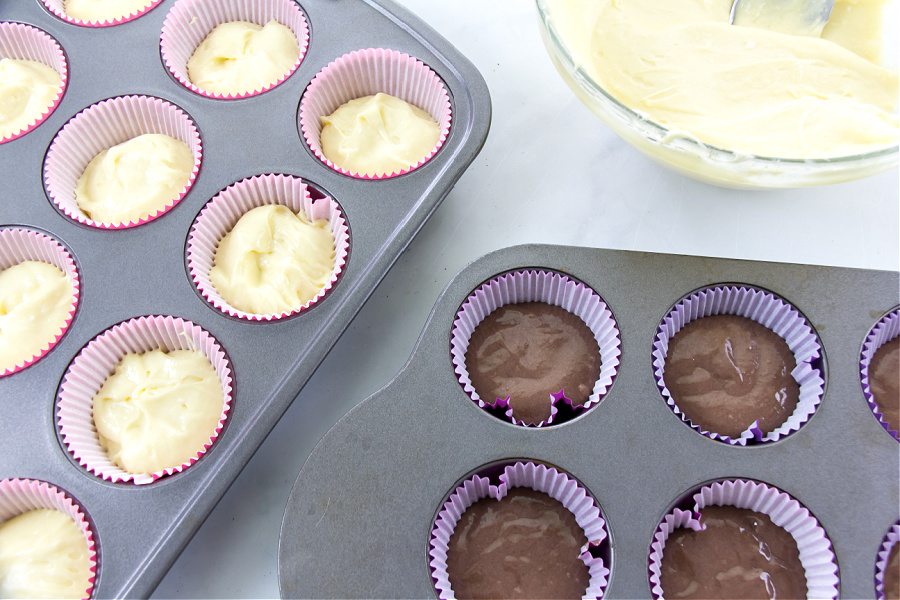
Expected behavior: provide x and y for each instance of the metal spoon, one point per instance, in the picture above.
(796, 17)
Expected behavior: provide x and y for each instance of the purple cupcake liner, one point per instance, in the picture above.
(365, 73)
(106, 124)
(228, 206)
(57, 7)
(767, 310)
(529, 286)
(18, 496)
(883, 332)
(98, 360)
(20, 245)
(816, 554)
(190, 21)
(555, 484)
(24, 42)
(884, 552)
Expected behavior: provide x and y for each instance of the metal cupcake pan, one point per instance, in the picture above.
(359, 518)
(140, 530)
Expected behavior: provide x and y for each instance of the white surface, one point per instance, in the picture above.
(550, 172)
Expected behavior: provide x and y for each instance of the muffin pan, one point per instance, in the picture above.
(359, 518)
(139, 530)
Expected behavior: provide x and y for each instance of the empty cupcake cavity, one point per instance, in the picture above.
(769, 311)
(495, 482)
(226, 209)
(18, 246)
(91, 368)
(108, 124)
(19, 42)
(815, 552)
(885, 331)
(20, 496)
(103, 13)
(526, 286)
(369, 72)
(189, 22)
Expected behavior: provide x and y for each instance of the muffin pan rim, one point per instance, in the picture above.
(301, 573)
(128, 569)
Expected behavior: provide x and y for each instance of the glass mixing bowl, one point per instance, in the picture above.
(691, 157)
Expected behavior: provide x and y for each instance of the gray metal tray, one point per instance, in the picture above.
(358, 520)
(140, 530)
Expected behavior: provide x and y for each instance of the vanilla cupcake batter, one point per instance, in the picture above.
(27, 90)
(158, 410)
(35, 299)
(99, 11)
(378, 135)
(241, 57)
(273, 260)
(772, 94)
(43, 554)
(135, 179)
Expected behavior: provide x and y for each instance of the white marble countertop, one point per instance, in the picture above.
(550, 172)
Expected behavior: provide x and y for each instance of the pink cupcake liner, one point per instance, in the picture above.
(555, 484)
(365, 73)
(18, 496)
(57, 7)
(883, 332)
(190, 21)
(887, 545)
(98, 360)
(767, 310)
(24, 42)
(529, 286)
(20, 245)
(816, 554)
(102, 126)
(228, 206)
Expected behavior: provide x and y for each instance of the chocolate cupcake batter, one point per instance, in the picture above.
(892, 575)
(884, 381)
(528, 351)
(526, 545)
(739, 554)
(724, 372)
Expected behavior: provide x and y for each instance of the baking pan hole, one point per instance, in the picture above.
(493, 481)
(885, 331)
(365, 73)
(19, 496)
(816, 551)
(189, 22)
(541, 345)
(736, 363)
(144, 460)
(268, 301)
(61, 289)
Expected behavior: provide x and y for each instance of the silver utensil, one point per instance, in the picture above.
(797, 17)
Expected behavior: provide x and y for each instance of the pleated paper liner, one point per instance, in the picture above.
(24, 42)
(18, 496)
(190, 21)
(18, 245)
(555, 483)
(110, 18)
(530, 285)
(106, 124)
(773, 313)
(881, 563)
(816, 554)
(98, 360)
(365, 73)
(884, 331)
(228, 206)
